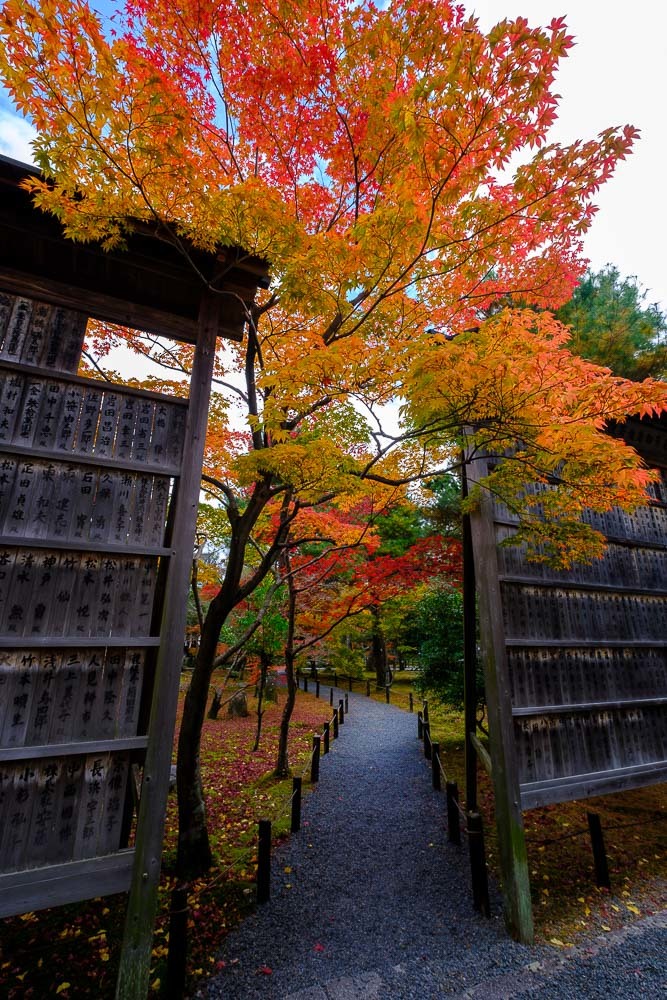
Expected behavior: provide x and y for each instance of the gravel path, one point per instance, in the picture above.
(368, 901)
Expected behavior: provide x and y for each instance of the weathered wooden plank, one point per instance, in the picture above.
(577, 585)
(91, 806)
(109, 830)
(126, 424)
(53, 401)
(571, 787)
(130, 699)
(109, 417)
(76, 546)
(86, 433)
(37, 334)
(10, 642)
(29, 408)
(6, 307)
(67, 378)
(84, 747)
(10, 448)
(56, 885)
(17, 329)
(11, 394)
(18, 810)
(590, 706)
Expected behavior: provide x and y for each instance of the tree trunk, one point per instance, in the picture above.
(263, 671)
(194, 852)
(377, 659)
(282, 759)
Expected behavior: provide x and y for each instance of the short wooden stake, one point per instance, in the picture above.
(435, 766)
(387, 693)
(420, 726)
(368, 689)
(178, 943)
(347, 705)
(331, 696)
(478, 873)
(349, 684)
(315, 760)
(335, 725)
(317, 689)
(453, 821)
(341, 711)
(335, 679)
(264, 862)
(325, 745)
(425, 711)
(412, 702)
(427, 740)
(599, 853)
(305, 683)
(295, 825)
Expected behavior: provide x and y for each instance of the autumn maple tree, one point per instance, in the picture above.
(367, 152)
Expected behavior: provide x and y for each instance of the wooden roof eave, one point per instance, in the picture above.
(152, 285)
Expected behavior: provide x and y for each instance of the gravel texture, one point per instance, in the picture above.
(375, 905)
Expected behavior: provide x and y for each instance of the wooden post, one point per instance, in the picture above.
(335, 725)
(325, 747)
(347, 706)
(420, 726)
(317, 689)
(453, 820)
(349, 684)
(315, 761)
(331, 696)
(435, 766)
(599, 853)
(135, 956)
(341, 711)
(425, 711)
(427, 740)
(295, 824)
(513, 855)
(387, 693)
(178, 943)
(478, 872)
(335, 683)
(368, 689)
(412, 704)
(305, 683)
(264, 862)
(470, 656)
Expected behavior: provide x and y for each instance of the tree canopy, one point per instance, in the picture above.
(612, 324)
(367, 152)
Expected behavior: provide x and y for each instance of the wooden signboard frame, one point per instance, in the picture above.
(99, 492)
(575, 665)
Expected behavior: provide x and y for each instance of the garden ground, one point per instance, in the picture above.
(72, 951)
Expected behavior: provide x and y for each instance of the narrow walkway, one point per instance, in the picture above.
(369, 902)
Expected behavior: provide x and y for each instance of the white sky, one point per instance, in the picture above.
(614, 75)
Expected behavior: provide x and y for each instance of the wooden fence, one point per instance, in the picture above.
(87, 471)
(575, 666)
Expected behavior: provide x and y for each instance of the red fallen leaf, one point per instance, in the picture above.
(318, 947)
(265, 970)
(220, 965)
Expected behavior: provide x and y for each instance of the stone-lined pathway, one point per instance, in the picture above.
(369, 901)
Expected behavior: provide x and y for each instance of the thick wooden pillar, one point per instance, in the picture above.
(135, 957)
(509, 817)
